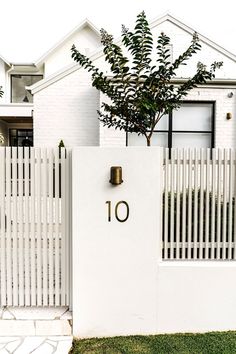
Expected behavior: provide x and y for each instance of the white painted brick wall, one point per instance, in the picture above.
(225, 130)
(67, 110)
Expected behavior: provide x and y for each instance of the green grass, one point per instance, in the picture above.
(207, 343)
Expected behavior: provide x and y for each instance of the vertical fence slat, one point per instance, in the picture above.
(68, 229)
(26, 223)
(190, 176)
(44, 227)
(63, 228)
(39, 228)
(51, 248)
(172, 204)
(177, 223)
(207, 204)
(9, 229)
(57, 236)
(225, 192)
(218, 228)
(195, 229)
(230, 214)
(201, 205)
(3, 227)
(33, 230)
(184, 187)
(20, 235)
(166, 202)
(15, 253)
(213, 208)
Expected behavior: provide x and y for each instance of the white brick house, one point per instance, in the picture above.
(16, 105)
(65, 104)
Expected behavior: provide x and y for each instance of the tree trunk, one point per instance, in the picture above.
(148, 141)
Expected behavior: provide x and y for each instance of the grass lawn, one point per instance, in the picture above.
(208, 343)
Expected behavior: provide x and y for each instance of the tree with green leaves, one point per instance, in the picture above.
(1, 92)
(141, 90)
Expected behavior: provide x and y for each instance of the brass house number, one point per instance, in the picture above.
(109, 210)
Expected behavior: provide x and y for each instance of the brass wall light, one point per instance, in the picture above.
(116, 175)
(228, 115)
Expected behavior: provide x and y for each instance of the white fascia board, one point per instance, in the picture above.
(26, 69)
(85, 23)
(16, 110)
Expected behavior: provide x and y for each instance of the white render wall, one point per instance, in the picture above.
(121, 285)
(67, 110)
(114, 262)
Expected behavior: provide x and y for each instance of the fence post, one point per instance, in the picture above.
(117, 237)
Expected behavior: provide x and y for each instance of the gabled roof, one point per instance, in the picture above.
(186, 28)
(85, 23)
(99, 53)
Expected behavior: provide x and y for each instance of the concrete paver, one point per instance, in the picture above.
(35, 345)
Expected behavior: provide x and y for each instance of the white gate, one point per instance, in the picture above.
(34, 227)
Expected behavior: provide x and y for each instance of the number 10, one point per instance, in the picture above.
(116, 210)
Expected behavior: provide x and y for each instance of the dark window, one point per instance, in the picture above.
(190, 126)
(18, 84)
(21, 137)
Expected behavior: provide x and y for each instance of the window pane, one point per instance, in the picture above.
(158, 139)
(24, 137)
(188, 140)
(18, 91)
(193, 116)
(163, 123)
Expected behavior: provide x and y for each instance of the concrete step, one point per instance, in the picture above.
(35, 321)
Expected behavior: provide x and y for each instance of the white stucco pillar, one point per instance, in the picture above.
(115, 261)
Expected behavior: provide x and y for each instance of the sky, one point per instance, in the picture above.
(29, 27)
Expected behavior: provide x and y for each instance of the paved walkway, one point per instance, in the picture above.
(35, 345)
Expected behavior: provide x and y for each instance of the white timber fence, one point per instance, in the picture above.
(34, 227)
(199, 211)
